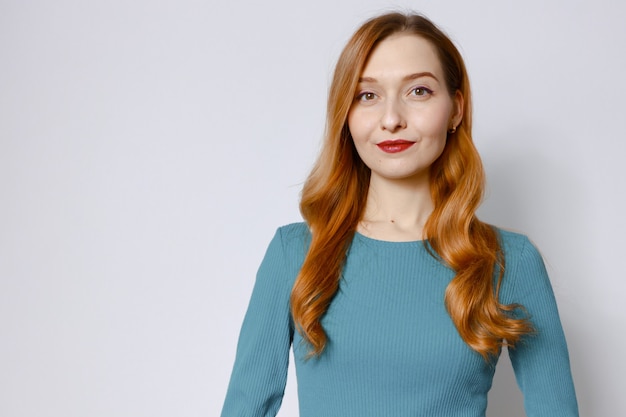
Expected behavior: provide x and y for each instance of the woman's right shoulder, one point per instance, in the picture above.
(292, 242)
(295, 232)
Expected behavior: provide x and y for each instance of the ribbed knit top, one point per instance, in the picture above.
(392, 348)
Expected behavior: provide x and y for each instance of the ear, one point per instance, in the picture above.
(457, 110)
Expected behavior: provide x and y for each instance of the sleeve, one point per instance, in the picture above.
(541, 360)
(259, 374)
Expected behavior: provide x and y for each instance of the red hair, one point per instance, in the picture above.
(334, 195)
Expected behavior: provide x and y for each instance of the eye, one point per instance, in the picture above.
(421, 91)
(366, 96)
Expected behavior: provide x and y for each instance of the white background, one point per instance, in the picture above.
(149, 150)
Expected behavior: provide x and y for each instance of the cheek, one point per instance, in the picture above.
(438, 122)
(356, 126)
(358, 132)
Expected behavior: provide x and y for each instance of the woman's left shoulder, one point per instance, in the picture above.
(516, 246)
(524, 268)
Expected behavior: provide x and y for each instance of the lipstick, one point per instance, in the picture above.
(395, 146)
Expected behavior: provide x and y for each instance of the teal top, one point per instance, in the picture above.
(392, 348)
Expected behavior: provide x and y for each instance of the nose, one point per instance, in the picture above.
(393, 118)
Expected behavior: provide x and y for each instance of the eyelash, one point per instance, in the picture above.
(363, 96)
(427, 91)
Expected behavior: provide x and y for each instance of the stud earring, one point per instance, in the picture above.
(452, 129)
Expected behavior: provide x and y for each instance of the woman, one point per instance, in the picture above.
(395, 297)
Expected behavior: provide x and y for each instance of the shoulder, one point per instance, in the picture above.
(294, 237)
(295, 232)
(283, 259)
(517, 247)
(290, 243)
(524, 268)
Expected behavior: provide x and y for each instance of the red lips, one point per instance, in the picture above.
(395, 146)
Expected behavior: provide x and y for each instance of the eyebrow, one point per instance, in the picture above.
(409, 77)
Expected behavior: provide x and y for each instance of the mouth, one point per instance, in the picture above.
(395, 146)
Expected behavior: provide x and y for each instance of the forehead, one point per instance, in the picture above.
(402, 54)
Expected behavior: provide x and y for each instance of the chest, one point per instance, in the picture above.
(389, 313)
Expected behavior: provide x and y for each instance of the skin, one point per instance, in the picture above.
(401, 96)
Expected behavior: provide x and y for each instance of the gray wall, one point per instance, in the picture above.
(149, 149)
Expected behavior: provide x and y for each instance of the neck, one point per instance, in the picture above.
(397, 210)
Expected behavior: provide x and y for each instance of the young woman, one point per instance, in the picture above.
(396, 299)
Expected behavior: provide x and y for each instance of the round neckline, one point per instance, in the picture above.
(390, 242)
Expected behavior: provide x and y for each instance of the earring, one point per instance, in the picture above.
(452, 129)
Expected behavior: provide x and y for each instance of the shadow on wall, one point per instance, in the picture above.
(531, 191)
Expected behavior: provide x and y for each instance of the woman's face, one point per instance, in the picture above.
(403, 109)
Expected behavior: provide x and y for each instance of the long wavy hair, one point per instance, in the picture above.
(334, 196)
